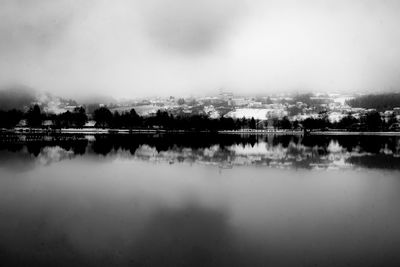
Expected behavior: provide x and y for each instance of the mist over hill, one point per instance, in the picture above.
(95, 99)
(16, 97)
(21, 97)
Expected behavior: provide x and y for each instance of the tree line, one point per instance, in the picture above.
(380, 102)
(371, 121)
(105, 118)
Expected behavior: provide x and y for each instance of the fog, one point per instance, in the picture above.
(185, 47)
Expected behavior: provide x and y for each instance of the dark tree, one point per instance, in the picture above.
(117, 120)
(346, 122)
(79, 117)
(296, 124)
(285, 123)
(103, 117)
(65, 120)
(134, 119)
(253, 124)
(373, 121)
(9, 119)
(313, 124)
(276, 123)
(226, 124)
(34, 117)
(162, 119)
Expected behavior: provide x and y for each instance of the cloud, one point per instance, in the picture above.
(35, 23)
(183, 47)
(190, 26)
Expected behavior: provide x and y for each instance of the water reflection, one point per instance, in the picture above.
(102, 201)
(225, 151)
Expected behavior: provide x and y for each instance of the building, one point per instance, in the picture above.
(90, 124)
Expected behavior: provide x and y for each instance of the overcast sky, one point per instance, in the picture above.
(128, 48)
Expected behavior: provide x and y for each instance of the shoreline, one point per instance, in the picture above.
(333, 133)
(327, 133)
(94, 131)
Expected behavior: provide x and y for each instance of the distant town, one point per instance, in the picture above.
(223, 111)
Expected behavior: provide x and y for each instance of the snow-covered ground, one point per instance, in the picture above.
(260, 114)
(211, 112)
(335, 116)
(143, 110)
(342, 99)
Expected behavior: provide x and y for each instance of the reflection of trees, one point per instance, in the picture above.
(51, 154)
(369, 144)
(319, 143)
(283, 150)
(34, 148)
(284, 140)
(376, 161)
(11, 146)
(348, 142)
(166, 142)
(102, 145)
(77, 146)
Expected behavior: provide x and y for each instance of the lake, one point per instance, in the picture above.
(199, 200)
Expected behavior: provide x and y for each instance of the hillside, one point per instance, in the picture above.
(380, 102)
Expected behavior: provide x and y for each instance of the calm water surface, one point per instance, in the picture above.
(186, 200)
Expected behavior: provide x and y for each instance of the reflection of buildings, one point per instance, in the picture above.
(222, 151)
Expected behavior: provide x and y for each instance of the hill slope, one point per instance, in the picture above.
(380, 102)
